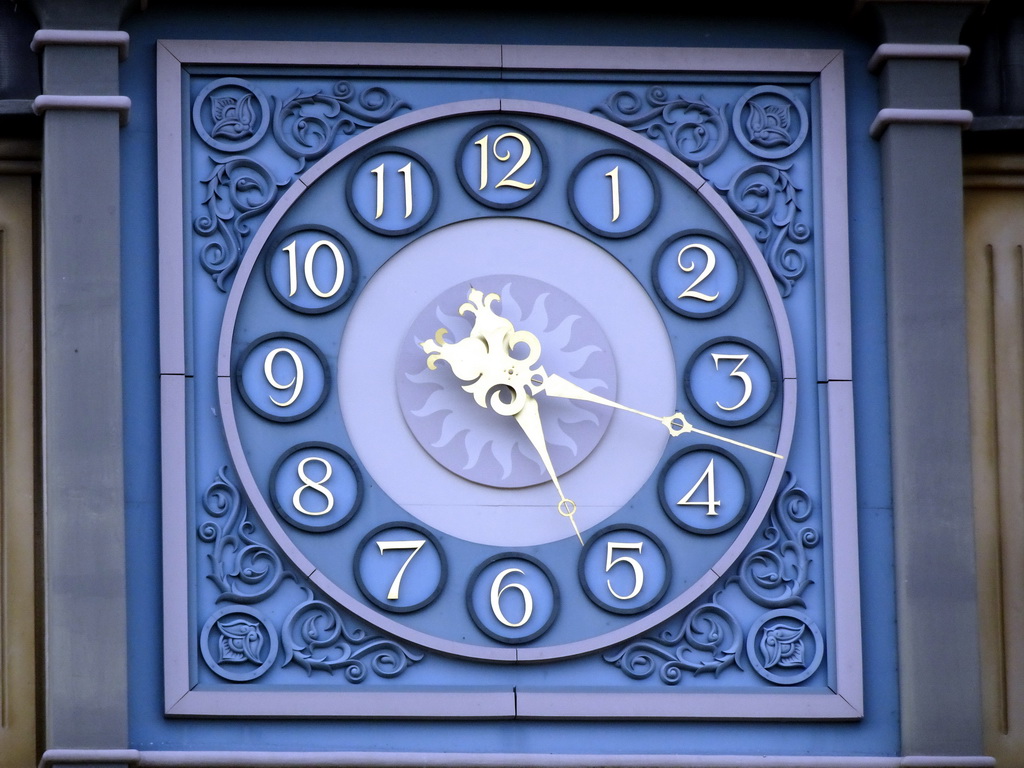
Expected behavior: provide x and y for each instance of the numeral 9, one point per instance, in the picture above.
(295, 384)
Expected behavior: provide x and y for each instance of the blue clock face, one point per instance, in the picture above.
(510, 385)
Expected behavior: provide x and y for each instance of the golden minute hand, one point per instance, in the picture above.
(554, 385)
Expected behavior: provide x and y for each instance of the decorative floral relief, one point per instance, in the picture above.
(235, 191)
(708, 640)
(783, 645)
(695, 131)
(316, 638)
(777, 572)
(768, 126)
(238, 644)
(306, 124)
(244, 570)
(230, 114)
(770, 122)
(234, 118)
(240, 640)
(766, 195)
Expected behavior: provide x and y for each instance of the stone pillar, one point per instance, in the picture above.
(81, 460)
(919, 127)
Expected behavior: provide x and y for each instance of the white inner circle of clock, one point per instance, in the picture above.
(601, 474)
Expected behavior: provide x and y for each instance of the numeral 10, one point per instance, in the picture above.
(307, 268)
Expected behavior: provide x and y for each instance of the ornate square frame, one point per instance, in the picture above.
(199, 541)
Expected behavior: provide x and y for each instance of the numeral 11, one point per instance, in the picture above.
(406, 171)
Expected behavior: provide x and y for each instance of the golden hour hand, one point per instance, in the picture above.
(496, 378)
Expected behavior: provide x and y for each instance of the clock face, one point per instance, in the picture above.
(510, 385)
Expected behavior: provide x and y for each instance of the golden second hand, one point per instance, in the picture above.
(554, 385)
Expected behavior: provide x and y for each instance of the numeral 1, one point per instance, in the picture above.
(613, 174)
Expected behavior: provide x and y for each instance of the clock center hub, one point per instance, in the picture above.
(457, 407)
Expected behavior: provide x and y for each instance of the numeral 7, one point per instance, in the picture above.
(385, 546)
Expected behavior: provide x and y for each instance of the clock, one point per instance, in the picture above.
(507, 381)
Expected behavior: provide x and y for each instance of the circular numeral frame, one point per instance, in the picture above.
(495, 185)
(293, 390)
(513, 597)
(417, 558)
(689, 266)
(392, 189)
(618, 575)
(298, 266)
(614, 193)
(340, 499)
(736, 413)
(692, 483)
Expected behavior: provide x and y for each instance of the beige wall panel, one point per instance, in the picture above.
(17, 431)
(994, 234)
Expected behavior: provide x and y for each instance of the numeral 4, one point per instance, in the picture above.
(707, 478)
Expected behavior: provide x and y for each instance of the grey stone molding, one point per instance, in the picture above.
(887, 51)
(890, 115)
(45, 37)
(143, 758)
(120, 104)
